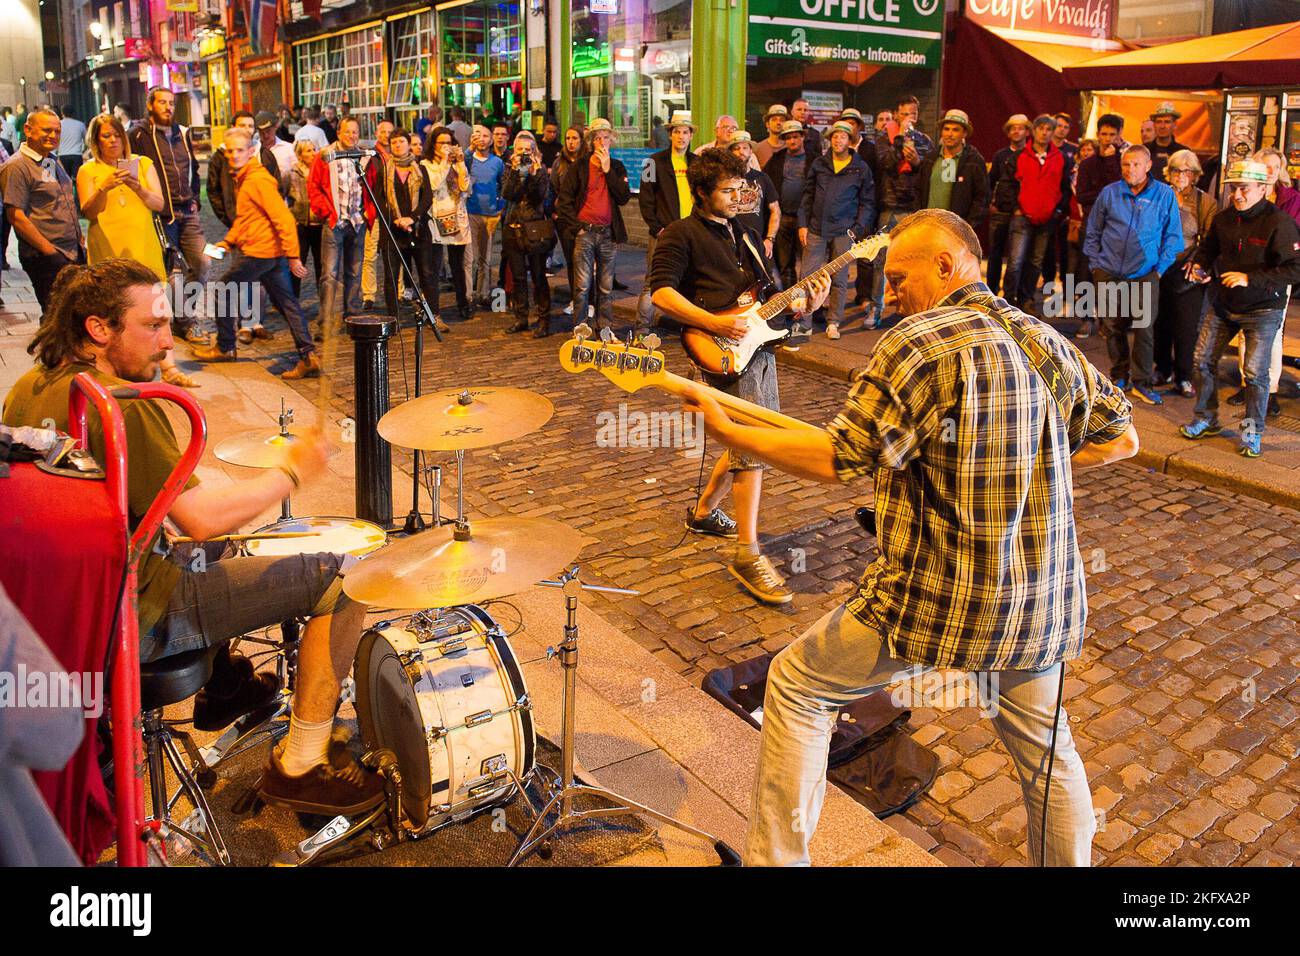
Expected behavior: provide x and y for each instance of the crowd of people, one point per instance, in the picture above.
(1129, 240)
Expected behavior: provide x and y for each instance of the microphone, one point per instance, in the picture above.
(350, 154)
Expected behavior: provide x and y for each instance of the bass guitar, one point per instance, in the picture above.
(726, 359)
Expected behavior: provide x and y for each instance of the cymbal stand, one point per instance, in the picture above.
(286, 419)
(559, 796)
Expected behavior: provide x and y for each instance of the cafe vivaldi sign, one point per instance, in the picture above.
(1084, 18)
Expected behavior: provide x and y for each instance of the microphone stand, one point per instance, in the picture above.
(423, 313)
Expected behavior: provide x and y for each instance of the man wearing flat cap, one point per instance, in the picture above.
(955, 177)
(775, 118)
(1164, 145)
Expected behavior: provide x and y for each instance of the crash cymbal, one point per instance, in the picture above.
(443, 566)
(256, 449)
(456, 419)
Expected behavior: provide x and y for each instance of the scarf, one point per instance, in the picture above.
(390, 182)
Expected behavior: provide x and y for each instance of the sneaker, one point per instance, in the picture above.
(1121, 384)
(261, 332)
(307, 367)
(1250, 446)
(1238, 397)
(832, 331)
(210, 353)
(1148, 395)
(568, 309)
(798, 331)
(1274, 407)
(1186, 389)
(245, 336)
(715, 523)
(326, 789)
(1200, 429)
(762, 580)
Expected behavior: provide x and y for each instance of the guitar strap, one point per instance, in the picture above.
(758, 257)
(1042, 361)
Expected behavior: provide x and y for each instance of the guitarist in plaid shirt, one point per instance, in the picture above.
(970, 420)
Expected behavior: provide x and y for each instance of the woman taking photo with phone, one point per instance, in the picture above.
(119, 195)
(444, 167)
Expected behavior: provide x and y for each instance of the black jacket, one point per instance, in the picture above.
(142, 144)
(658, 200)
(701, 260)
(970, 193)
(1096, 173)
(572, 190)
(1004, 187)
(528, 197)
(221, 182)
(1264, 243)
(834, 203)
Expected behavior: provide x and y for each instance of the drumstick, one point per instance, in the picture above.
(251, 536)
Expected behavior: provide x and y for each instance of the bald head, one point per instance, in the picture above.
(931, 253)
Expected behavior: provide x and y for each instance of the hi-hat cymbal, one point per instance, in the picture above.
(441, 567)
(456, 418)
(257, 449)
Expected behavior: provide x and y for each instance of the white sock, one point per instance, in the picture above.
(308, 745)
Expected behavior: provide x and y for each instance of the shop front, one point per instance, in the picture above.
(215, 80)
(481, 50)
(345, 69)
(412, 67)
(840, 55)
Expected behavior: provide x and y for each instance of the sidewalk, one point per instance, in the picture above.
(1274, 478)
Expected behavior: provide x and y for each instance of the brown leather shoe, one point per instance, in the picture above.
(245, 336)
(210, 353)
(308, 367)
(260, 332)
(325, 789)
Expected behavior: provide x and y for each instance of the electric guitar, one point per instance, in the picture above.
(727, 359)
(633, 366)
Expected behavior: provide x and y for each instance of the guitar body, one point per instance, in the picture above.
(722, 358)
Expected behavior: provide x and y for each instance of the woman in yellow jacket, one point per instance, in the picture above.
(119, 195)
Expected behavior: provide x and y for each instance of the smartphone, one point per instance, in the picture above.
(131, 165)
(891, 130)
(214, 252)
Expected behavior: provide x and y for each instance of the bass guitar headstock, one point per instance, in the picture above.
(630, 365)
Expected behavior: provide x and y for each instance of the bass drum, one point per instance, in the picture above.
(445, 693)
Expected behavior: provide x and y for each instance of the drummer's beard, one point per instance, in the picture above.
(131, 368)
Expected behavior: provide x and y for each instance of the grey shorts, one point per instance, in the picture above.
(231, 597)
(756, 384)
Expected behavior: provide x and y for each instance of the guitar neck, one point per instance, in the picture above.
(739, 410)
(779, 303)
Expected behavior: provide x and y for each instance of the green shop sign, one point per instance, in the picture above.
(877, 32)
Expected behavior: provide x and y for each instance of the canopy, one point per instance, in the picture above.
(1264, 56)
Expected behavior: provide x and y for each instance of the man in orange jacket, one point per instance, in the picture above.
(266, 235)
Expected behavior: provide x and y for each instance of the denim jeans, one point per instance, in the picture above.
(999, 226)
(645, 310)
(838, 660)
(186, 234)
(1219, 326)
(341, 251)
(888, 220)
(1124, 306)
(593, 255)
(819, 251)
(1026, 247)
(274, 277)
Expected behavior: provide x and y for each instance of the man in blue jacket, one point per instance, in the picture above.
(485, 205)
(839, 196)
(1134, 235)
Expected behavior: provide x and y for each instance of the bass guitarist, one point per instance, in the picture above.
(701, 265)
(971, 420)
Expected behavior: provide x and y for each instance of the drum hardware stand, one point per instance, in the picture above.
(560, 795)
(286, 419)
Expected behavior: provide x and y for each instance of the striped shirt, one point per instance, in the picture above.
(979, 565)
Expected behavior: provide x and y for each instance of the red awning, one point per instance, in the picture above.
(1264, 56)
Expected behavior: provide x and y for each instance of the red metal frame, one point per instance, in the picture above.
(128, 744)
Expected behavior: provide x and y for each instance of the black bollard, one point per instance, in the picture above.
(374, 456)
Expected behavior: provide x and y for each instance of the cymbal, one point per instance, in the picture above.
(258, 449)
(455, 419)
(442, 567)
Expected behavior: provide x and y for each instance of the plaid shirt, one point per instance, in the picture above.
(979, 566)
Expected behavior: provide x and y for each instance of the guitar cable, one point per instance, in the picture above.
(1051, 759)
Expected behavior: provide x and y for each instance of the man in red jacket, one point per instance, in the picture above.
(1044, 175)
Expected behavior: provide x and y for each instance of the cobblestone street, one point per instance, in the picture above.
(1183, 705)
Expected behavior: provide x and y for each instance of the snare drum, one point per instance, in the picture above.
(445, 693)
(329, 536)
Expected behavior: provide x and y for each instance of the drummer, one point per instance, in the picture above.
(112, 320)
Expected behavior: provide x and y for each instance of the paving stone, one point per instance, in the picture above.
(1197, 817)
(1219, 762)
(1158, 848)
(987, 798)
(1135, 776)
(1277, 805)
(950, 786)
(1246, 827)
(1114, 834)
(1236, 792)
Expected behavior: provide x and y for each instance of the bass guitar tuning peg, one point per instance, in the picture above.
(652, 342)
(582, 331)
(607, 335)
